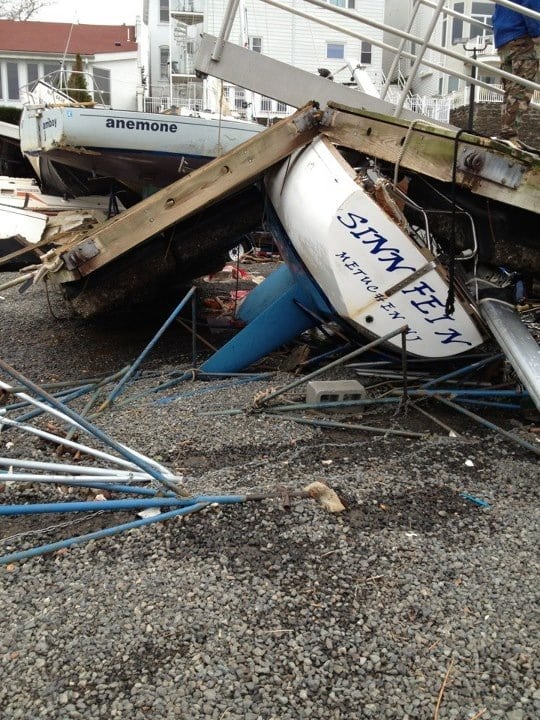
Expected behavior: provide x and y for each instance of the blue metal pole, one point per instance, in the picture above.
(61, 395)
(133, 489)
(486, 403)
(490, 425)
(464, 370)
(116, 391)
(459, 393)
(106, 532)
(113, 505)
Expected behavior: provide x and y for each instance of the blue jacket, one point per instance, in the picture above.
(511, 25)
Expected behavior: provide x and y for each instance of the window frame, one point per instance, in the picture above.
(164, 50)
(255, 41)
(164, 11)
(335, 56)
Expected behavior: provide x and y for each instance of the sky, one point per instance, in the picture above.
(92, 12)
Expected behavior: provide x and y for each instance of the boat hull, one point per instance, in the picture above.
(371, 273)
(144, 151)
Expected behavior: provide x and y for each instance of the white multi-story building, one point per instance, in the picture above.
(439, 83)
(173, 28)
(453, 32)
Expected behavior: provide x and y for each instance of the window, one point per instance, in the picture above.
(453, 84)
(457, 24)
(51, 71)
(255, 44)
(102, 83)
(481, 11)
(443, 31)
(462, 30)
(349, 4)
(365, 53)
(13, 80)
(239, 98)
(164, 11)
(282, 107)
(164, 62)
(266, 104)
(32, 72)
(335, 51)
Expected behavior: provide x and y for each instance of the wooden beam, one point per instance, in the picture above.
(223, 176)
(486, 167)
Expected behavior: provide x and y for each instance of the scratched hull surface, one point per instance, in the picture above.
(371, 272)
(138, 149)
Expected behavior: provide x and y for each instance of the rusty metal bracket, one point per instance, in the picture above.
(497, 168)
(84, 251)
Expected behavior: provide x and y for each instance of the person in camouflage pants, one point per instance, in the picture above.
(519, 58)
(515, 37)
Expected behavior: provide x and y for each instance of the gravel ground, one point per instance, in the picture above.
(413, 603)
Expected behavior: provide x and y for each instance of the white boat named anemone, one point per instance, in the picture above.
(144, 151)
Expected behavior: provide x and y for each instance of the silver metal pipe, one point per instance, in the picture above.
(399, 52)
(226, 27)
(419, 59)
(85, 449)
(59, 467)
(48, 478)
(516, 342)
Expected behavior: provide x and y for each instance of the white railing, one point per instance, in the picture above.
(187, 6)
(433, 108)
(178, 104)
(53, 88)
(459, 98)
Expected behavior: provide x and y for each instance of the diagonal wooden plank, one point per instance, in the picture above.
(238, 168)
(486, 167)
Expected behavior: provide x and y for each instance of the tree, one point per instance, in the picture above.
(21, 9)
(76, 84)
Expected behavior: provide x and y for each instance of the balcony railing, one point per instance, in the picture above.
(180, 105)
(187, 6)
(459, 98)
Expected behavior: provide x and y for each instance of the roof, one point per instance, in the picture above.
(49, 37)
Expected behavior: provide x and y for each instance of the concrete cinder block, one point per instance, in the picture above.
(319, 391)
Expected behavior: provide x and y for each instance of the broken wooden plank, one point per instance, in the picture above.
(486, 167)
(223, 176)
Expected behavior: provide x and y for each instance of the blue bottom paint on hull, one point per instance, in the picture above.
(276, 311)
(280, 322)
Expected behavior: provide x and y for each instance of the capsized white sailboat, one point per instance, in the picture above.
(372, 272)
(352, 257)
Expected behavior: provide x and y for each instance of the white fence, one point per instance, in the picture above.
(461, 97)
